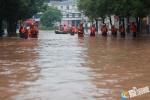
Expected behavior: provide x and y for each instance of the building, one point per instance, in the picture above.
(70, 13)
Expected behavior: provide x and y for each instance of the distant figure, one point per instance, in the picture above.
(104, 30)
(113, 31)
(80, 30)
(73, 30)
(60, 28)
(33, 31)
(122, 31)
(93, 30)
(65, 28)
(134, 30)
(23, 31)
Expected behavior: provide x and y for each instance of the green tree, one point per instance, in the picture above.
(17, 10)
(50, 15)
(1, 14)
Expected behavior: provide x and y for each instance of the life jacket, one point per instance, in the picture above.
(122, 29)
(133, 28)
(73, 29)
(113, 30)
(104, 30)
(93, 30)
(59, 28)
(80, 31)
(65, 28)
(33, 32)
(23, 30)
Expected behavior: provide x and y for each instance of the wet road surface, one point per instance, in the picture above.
(65, 67)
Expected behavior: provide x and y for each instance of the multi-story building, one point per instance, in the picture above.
(70, 13)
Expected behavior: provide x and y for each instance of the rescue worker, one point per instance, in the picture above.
(104, 30)
(33, 31)
(113, 31)
(60, 28)
(80, 30)
(93, 30)
(65, 28)
(73, 30)
(134, 30)
(122, 31)
(23, 31)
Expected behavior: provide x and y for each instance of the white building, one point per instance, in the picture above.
(70, 13)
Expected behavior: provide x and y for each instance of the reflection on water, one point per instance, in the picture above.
(65, 67)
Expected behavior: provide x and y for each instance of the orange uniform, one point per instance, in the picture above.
(122, 29)
(114, 31)
(73, 29)
(65, 28)
(104, 31)
(80, 31)
(33, 32)
(92, 30)
(134, 30)
(23, 32)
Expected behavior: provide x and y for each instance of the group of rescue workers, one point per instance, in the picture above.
(93, 30)
(31, 32)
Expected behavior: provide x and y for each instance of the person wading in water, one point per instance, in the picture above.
(122, 31)
(113, 31)
(33, 31)
(104, 30)
(134, 30)
(80, 30)
(93, 30)
(23, 31)
(73, 30)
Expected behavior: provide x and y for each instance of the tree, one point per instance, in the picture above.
(1, 14)
(15, 10)
(50, 15)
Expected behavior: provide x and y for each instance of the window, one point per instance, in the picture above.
(73, 15)
(61, 7)
(67, 7)
(73, 6)
(79, 15)
(67, 15)
(37, 16)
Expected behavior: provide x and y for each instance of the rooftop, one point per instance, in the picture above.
(63, 2)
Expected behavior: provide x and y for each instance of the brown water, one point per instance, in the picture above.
(64, 67)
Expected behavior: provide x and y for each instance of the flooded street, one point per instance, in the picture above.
(65, 67)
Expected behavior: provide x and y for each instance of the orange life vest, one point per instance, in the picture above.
(113, 30)
(73, 29)
(93, 30)
(133, 28)
(65, 28)
(59, 28)
(80, 31)
(33, 32)
(122, 29)
(104, 30)
(23, 30)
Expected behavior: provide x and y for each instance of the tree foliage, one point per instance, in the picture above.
(14, 10)
(121, 8)
(50, 15)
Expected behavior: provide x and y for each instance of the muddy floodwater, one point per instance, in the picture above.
(65, 67)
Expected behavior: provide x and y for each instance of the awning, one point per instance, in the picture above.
(29, 21)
